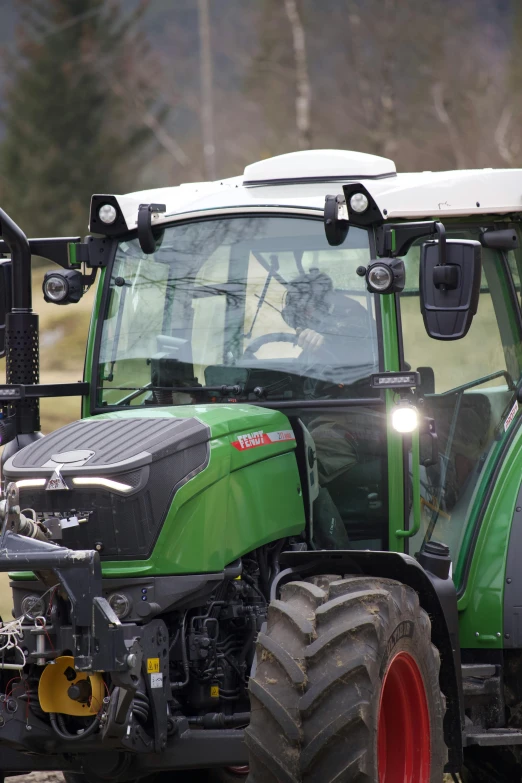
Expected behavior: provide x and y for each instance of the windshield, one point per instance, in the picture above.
(247, 308)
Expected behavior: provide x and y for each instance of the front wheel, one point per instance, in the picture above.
(346, 687)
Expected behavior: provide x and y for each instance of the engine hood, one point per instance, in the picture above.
(106, 446)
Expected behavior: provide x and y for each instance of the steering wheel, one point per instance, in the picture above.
(263, 339)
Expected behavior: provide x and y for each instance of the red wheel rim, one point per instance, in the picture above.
(403, 738)
(241, 771)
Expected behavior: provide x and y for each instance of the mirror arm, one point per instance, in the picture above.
(396, 239)
(441, 233)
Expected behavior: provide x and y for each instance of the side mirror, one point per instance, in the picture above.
(5, 299)
(449, 285)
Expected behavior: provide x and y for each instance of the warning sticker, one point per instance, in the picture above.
(214, 691)
(511, 415)
(153, 665)
(156, 680)
(251, 440)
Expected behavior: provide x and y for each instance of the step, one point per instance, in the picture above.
(479, 670)
(493, 737)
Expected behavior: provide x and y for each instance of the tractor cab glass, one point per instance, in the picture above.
(260, 310)
(262, 304)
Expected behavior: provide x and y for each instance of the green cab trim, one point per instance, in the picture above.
(89, 353)
(481, 605)
(390, 345)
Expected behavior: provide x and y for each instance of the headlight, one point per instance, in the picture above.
(385, 276)
(380, 278)
(120, 605)
(107, 214)
(359, 202)
(63, 287)
(33, 606)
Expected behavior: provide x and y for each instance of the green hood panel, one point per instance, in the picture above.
(248, 495)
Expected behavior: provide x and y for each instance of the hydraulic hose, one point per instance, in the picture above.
(59, 728)
(176, 686)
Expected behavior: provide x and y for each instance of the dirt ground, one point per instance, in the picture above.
(38, 777)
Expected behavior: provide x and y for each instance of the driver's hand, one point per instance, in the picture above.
(310, 340)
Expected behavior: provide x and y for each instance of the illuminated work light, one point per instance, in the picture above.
(405, 417)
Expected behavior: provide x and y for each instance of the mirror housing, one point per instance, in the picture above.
(450, 287)
(5, 299)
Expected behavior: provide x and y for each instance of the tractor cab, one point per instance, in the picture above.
(250, 292)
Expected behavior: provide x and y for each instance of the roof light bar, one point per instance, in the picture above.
(99, 481)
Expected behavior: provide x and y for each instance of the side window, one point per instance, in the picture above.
(478, 354)
(467, 388)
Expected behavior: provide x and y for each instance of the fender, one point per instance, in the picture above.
(437, 597)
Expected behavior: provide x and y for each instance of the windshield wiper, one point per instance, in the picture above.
(223, 388)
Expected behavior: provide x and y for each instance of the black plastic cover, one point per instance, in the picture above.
(448, 311)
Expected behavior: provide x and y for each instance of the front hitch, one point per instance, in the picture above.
(96, 634)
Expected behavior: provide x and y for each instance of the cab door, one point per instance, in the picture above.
(468, 395)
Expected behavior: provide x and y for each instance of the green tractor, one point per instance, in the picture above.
(284, 541)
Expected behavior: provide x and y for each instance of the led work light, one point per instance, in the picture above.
(63, 287)
(405, 417)
(386, 276)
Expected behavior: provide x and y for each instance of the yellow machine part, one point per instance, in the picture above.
(53, 687)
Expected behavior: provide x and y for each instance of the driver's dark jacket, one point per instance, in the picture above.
(344, 330)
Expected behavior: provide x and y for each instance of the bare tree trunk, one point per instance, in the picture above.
(302, 100)
(437, 92)
(206, 79)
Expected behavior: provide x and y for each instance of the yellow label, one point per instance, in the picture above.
(214, 691)
(153, 665)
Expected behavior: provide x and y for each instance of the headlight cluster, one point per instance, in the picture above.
(120, 604)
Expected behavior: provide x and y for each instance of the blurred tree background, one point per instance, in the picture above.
(118, 95)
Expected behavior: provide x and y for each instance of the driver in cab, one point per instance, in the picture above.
(323, 318)
(330, 326)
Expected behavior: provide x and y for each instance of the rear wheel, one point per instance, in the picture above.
(346, 687)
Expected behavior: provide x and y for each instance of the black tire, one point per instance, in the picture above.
(321, 665)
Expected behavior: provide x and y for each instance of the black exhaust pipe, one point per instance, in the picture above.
(22, 344)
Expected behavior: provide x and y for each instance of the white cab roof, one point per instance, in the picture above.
(299, 181)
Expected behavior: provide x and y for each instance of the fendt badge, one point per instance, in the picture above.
(56, 481)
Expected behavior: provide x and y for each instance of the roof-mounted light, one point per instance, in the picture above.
(107, 214)
(359, 203)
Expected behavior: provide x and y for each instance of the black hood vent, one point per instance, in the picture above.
(153, 457)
